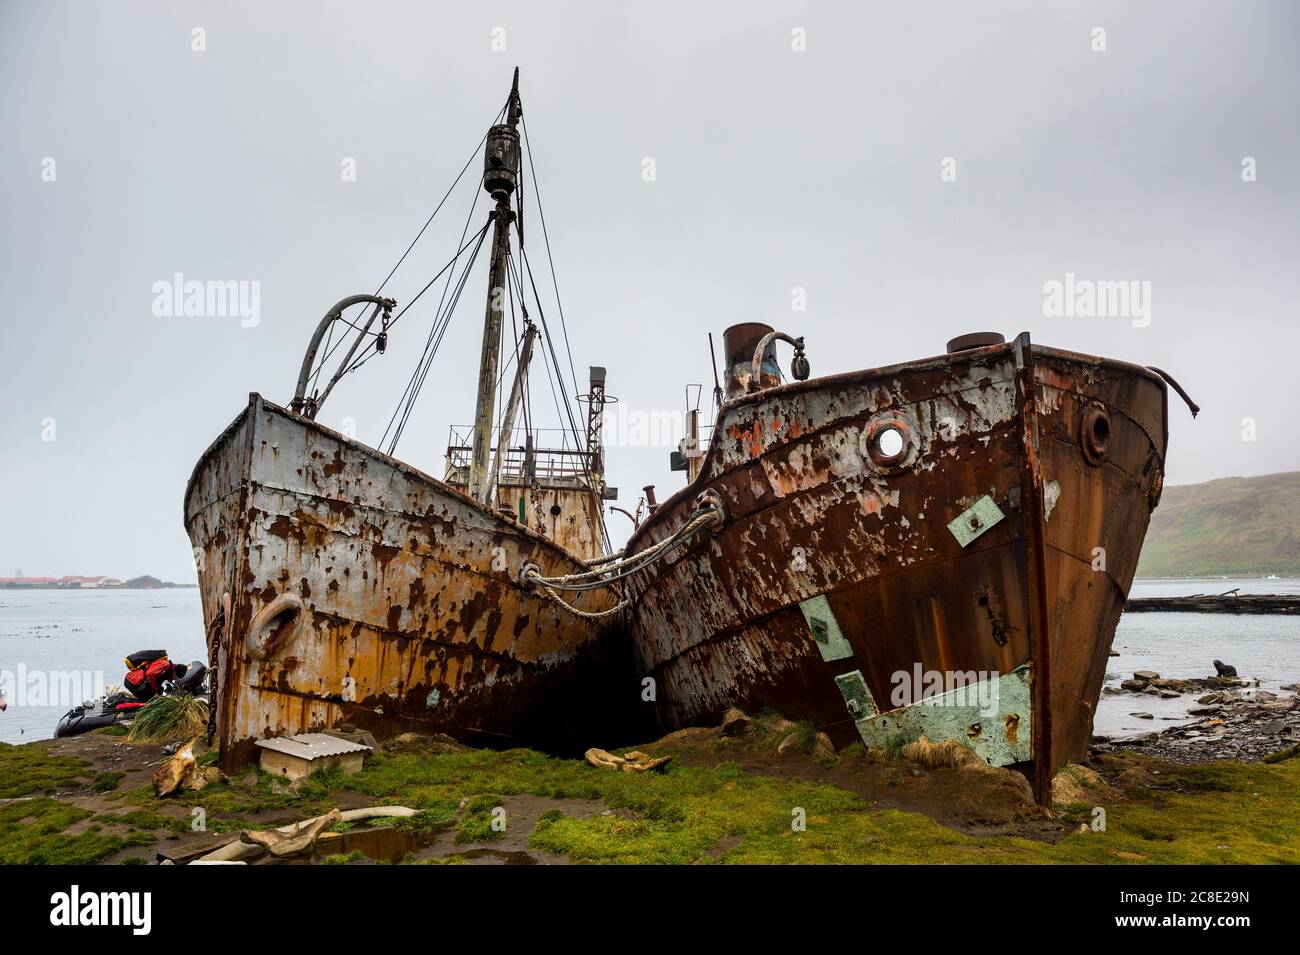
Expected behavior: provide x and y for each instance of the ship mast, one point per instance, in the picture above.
(511, 409)
(500, 175)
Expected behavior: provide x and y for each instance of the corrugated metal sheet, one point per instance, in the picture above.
(312, 745)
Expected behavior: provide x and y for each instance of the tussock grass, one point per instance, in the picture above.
(946, 755)
(169, 719)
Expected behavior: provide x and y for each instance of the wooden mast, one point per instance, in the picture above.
(500, 175)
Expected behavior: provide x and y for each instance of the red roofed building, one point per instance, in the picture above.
(70, 583)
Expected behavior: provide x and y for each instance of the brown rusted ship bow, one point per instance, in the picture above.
(937, 548)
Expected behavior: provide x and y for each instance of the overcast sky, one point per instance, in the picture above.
(775, 168)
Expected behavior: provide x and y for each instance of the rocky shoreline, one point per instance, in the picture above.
(1233, 719)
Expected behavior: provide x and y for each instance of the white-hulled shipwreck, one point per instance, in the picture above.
(340, 585)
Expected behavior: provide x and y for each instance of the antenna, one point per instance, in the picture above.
(717, 388)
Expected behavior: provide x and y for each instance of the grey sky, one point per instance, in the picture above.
(775, 169)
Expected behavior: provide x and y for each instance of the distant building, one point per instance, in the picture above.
(64, 583)
(145, 583)
(89, 583)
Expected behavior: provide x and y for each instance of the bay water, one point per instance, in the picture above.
(58, 647)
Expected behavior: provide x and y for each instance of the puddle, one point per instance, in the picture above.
(380, 844)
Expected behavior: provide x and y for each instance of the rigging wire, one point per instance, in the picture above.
(372, 348)
(550, 343)
(472, 155)
(546, 240)
(556, 382)
(366, 355)
(435, 343)
(411, 389)
(550, 346)
(454, 287)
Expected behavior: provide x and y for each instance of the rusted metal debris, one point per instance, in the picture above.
(1000, 536)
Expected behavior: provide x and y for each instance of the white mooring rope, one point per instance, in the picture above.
(613, 569)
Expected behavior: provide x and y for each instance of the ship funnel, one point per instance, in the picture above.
(739, 342)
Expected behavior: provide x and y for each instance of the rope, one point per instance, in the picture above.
(330, 351)
(586, 614)
(617, 568)
(541, 215)
(437, 331)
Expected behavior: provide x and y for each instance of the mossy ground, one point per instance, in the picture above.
(714, 810)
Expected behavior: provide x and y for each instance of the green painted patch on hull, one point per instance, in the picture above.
(857, 697)
(825, 629)
(992, 717)
(975, 520)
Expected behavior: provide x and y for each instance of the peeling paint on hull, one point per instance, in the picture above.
(401, 604)
(814, 509)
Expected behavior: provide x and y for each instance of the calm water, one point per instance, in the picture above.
(67, 641)
(59, 635)
(1184, 645)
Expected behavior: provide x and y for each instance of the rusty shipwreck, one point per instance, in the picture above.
(341, 585)
(974, 517)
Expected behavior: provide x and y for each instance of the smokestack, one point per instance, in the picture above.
(739, 342)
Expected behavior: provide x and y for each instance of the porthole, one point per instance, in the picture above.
(890, 441)
(890, 445)
(1095, 433)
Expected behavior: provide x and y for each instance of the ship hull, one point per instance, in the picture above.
(839, 585)
(342, 586)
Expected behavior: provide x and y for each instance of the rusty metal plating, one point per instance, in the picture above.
(817, 509)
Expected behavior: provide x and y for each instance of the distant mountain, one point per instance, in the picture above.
(1233, 526)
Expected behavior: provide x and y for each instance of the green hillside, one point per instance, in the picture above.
(1232, 526)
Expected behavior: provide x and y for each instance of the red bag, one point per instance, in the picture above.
(146, 682)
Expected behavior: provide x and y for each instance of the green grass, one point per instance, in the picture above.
(1283, 754)
(229, 804)
(106, 782)
(31, 769)
(340, 859)
(32, 833)
(1217, 812)
(683, 814)
(169, 719)
(1231, 526)
(477, 818)
(147, 819)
